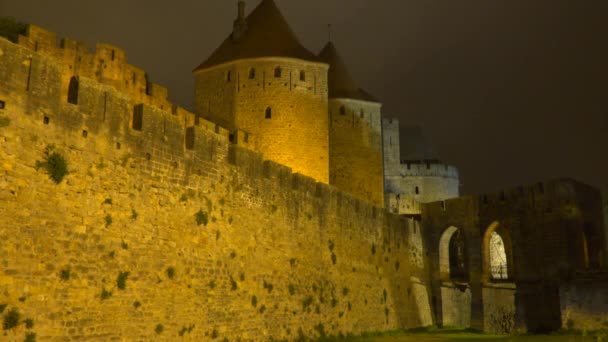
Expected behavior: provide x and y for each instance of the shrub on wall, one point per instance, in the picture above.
(11, 319)
(201, 218)
(54, 164)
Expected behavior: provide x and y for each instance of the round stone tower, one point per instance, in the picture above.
(355, 133)
(262, 81)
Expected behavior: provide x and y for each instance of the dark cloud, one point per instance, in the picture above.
(511, 92)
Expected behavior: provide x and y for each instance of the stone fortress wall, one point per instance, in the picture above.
(281, 102)
(355, 132)
(209, 240)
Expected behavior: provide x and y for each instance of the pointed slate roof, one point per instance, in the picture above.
(268, 35)
(341, 83)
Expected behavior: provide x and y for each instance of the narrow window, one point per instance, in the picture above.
(246, 137)
(46, 120)
(85, 134)
(113, 54)
(138, 117)
(302, 75)
(277, 72)
(342, 110)
(118, 146)
(268, 113)
(417, 191)
(2, 104)
(251, 73)
(228, 76)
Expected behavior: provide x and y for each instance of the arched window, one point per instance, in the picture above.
(228, 76)
(452, 255)
(342, 110)
(497, 253)
(268, 113)
(251, 73)
(278, 72)
(302, 75)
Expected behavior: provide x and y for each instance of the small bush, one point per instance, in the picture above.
(233, 284)
(29, 323)
(107, 201)
(124, 245)
(201, 218)
(170, 272)
(212, 284)
(54, 164)
(11, 29)
(254, 301)
(292, 261)
(30, 337)
(108, 220)
(22, 299)
(215, 334)
(334, 258)
(183, 198)
(65, 274)
(159, 329)
(11, 319)
(345, 291)
(105, 294)
(373, 249)
(4, 121)
(262, 309)
(233, 254)
(134, 214)
(292, 289)
(136, 304)
(306, 302)
(331, 245)
(121, 281)
(268, 286)
(273, 208)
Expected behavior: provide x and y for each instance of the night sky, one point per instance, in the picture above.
(511, 92)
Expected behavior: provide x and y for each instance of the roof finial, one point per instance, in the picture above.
(240, 24)
(329, 32)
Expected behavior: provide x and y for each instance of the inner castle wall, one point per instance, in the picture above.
(217, 242)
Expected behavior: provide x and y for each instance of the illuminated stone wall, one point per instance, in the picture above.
(295, 130)
(217, 242)
(355, 158)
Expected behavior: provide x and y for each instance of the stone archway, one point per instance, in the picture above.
(452, 261)
(497, 253)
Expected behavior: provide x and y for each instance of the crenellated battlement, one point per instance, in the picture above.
(105, 111)
(427, 168)
(107, 64)
(402, 204)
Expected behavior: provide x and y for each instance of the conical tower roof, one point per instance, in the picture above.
(341, 83)
(267, 35)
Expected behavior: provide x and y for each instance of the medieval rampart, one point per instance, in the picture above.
(163, 228)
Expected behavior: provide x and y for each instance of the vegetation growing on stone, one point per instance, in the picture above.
(201, 218)
(4, 121)
(121, 281)
(334, 258)
(254, 301)
(373, 249)
(306, 303)
(268, 286)
(159, 328)
(29, 323)
(11, 319)
(345, 291)
(54, 164)
(215, 334)
(136, 304)
(11, 29)
(30, 337)
(233, 284)
(331, 245)
(292, 289)
(2, 307)
(124, 245)
(134, 214)
(170, 272)
(108, 220)
(107, 201)
(105, 294)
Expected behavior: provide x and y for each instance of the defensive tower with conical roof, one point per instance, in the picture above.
(355, 153)
(263, 82)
